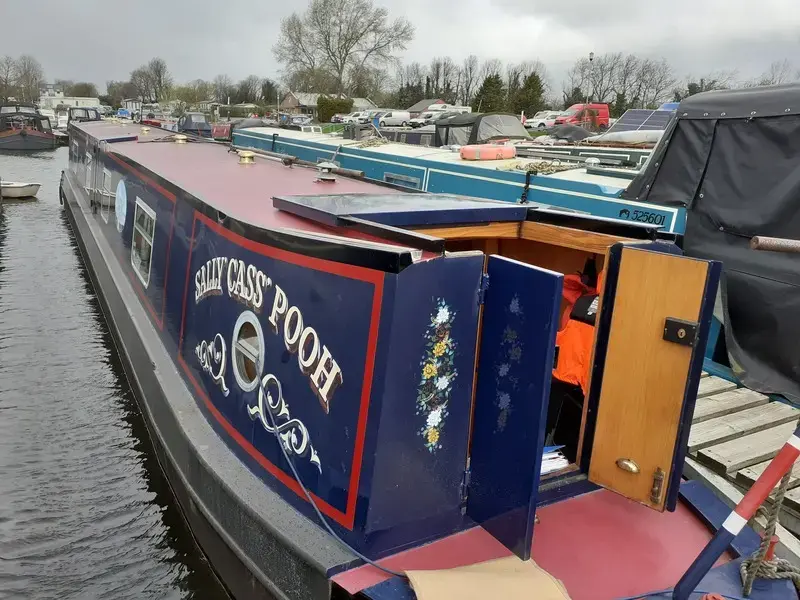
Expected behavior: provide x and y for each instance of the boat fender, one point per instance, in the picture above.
(488, 152)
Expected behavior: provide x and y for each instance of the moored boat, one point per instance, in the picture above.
(333, 370)
(22, 128)
(11, 189)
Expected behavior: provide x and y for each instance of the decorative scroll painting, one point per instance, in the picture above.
(511, 355)
(437, 375)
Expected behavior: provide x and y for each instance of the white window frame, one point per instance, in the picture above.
(75, 155)
(141, 205)
(105, 197)
(88, 179)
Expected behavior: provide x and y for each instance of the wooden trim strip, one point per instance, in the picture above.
(568, 237)
(465, 232)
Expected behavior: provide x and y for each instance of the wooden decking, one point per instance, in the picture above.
(735, 433)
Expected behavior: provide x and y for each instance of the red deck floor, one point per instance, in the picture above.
(600, 545)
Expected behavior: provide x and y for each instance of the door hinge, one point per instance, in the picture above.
(465, 486)
(658, 486)
(680, 332)
(484, 285)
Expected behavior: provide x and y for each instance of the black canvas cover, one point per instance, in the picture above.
(733, 160)
(478, 128)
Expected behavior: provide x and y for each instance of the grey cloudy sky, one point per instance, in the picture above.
(97, 40)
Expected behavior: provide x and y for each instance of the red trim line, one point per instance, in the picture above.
(347, 518)
(161, 189)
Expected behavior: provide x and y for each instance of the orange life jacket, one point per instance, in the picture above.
(575, 341)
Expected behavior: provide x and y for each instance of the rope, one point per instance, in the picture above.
(776, 568)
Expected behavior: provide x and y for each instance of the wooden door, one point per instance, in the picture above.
(660, 310)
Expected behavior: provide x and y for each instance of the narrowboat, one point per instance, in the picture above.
(579, 178)
(22, 128)
(346, 382)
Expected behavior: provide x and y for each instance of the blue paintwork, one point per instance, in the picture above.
(400, 209)
(705, 319)
(713, 512)
(375, 505)
(468, 180)
(520, 320)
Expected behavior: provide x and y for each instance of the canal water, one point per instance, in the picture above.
(85, 511)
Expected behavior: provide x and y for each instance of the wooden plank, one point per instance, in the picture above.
(788, 546)
(792, 500)
(641, 400)
(488, 230)
(714, 385)
(568, 237)
(748, 475)
(747, 450)
(728, 427)
(726, 403)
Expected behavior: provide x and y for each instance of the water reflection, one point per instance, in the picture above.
(85, 511)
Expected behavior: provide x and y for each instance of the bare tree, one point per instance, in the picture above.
(29, 77)
(493, 66)
(160, 78)
(8, 68)
(449, 87)
(222, 87)
(658, 81)
(469, 78)
(341, 34)
(295, 46)
(780, 71)
(435, 74)
(142, 82)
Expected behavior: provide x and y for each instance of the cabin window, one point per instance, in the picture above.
(144, 228)
(88, 184)
(75, 155)
(248, 351)
(105, 196)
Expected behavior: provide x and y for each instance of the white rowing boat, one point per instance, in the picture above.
(13, 189)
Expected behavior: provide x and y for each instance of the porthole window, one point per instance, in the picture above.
(248, 351)
(144, 228)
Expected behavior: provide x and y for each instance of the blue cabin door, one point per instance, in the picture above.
(517, 347)
(655, 315)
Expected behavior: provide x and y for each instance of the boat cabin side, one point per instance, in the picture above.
(405, 343)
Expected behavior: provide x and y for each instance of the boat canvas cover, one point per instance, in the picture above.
(476, 128)
(732, 158)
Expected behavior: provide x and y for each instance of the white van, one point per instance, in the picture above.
(395, 118)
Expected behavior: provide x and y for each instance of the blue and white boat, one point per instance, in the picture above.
(556, 176)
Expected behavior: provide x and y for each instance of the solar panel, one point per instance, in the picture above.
(637, 119)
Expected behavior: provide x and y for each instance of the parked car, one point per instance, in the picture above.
(422, 120)
(356, 117)
(338, 118)
(542, 119)
(301, 120)
(396, 118)
(585, 114)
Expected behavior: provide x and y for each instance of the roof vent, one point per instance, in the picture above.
(246, 157)
(145, 130)
(325, 172)
(592, 161)
(180, 139)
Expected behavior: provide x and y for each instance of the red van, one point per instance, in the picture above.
(581, 114)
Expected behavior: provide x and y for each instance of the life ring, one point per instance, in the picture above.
(488, 152)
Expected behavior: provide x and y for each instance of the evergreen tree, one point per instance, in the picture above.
(491, 96)
(530, 97)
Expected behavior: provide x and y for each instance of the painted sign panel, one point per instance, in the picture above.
(280, 346)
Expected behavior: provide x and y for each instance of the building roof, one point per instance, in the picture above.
(423, 104)
(306, 98)
(363, 104)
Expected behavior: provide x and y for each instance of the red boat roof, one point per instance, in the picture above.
(211, 173)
